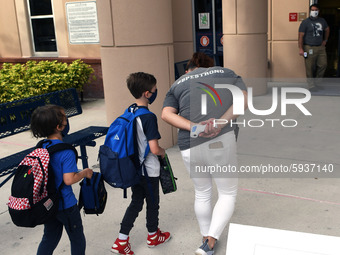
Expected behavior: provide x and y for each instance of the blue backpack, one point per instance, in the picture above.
(118, 157)
(92, 195)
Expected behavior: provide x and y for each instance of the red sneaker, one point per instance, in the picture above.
(158, 238)
(122, 247)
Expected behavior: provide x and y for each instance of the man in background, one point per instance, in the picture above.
(313, 36)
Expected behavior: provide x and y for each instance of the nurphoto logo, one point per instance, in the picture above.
(238, 105)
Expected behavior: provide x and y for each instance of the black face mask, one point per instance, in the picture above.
(66, 129)
(153, 97)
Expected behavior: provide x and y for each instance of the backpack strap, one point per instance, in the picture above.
(56, 147)
(147, 177)
(138, 110)
(95, 176)
(60, 195)
(147, 150)
(87, 182)
(145, 172)
(42, 142)
(61, 147)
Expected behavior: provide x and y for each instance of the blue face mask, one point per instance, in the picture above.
(153, 97)
(66, 129)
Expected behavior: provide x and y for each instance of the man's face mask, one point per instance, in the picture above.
(314, 14)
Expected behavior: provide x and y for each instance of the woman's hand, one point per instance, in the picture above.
(211, 130)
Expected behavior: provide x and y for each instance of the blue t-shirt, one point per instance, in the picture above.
(63, 162)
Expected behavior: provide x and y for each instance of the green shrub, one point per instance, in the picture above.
(18, 81)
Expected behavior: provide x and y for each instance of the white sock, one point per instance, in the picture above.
(152, 233)
(123, 236)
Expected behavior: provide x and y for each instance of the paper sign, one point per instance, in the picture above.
(302, 16)
(82, 22)
(203, 20)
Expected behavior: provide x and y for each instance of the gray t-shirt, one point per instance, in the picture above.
(314, 30)
(187, 93)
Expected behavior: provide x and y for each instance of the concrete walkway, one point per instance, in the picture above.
(309, 205)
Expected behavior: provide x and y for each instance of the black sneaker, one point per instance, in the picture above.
(204, 249)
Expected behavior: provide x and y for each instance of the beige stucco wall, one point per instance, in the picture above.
(146, 22)
(65, 49)
(243, 28)
(15, 32)
(285, 59)
(245, 39)
(24, 30)
(242, 18)
(9, 35)
(269, 30)
(144, 43)
(285, 65)
(182, 29)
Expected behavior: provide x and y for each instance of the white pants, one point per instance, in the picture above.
(220, 150)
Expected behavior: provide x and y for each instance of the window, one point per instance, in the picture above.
(42, 27)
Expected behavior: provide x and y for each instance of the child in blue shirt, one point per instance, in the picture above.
(51, 122)
(143, 87)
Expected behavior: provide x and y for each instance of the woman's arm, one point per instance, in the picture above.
(170, 115)
(213, 127)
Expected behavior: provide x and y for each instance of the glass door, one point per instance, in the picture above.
(208, 34)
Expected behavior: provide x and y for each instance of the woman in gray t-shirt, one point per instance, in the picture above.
(196, 106)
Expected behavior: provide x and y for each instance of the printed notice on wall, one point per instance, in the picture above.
(82, 22)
